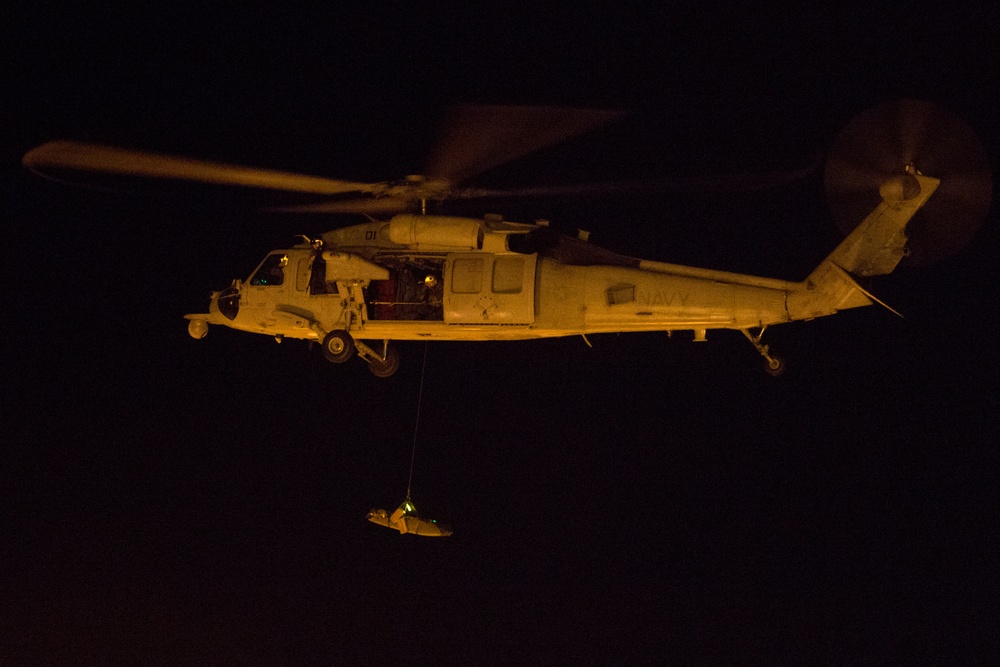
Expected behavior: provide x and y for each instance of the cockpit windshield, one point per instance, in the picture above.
(271, 271)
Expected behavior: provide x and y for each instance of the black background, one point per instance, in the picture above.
(171, 501)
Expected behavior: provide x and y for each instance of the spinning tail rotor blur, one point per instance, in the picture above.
(887, 139)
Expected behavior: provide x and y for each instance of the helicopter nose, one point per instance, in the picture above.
(227, 302)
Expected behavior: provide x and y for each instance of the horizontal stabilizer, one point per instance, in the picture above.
(847, 277)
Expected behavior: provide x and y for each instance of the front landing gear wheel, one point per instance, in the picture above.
(383, 368)
(338, 346)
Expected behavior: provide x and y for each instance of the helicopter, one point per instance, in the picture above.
(408, 274)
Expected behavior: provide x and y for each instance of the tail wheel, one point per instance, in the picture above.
(775, 366)
(338, 346)
(385, 367)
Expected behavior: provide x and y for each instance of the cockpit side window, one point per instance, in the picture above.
(271, 272)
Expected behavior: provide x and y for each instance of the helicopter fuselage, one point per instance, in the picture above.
(473, 293)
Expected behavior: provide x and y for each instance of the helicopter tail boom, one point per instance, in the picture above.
(874, 248)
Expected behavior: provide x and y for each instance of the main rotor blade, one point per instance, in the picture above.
(369, 206)
(112, 160)
(477, 138)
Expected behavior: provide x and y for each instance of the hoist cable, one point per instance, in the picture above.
(416, 423)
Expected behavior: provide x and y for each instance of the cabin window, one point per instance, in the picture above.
(508, 275)
(467, 275)
(271, 272)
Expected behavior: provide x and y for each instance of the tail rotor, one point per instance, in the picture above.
(883, 143)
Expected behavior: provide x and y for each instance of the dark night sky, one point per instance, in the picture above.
(171, 501)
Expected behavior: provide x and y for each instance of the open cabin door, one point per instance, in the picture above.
(486, 288)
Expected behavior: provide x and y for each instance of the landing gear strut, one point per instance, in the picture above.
(775, 366)
(381, 365)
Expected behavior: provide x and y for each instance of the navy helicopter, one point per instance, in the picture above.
(406, 274)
